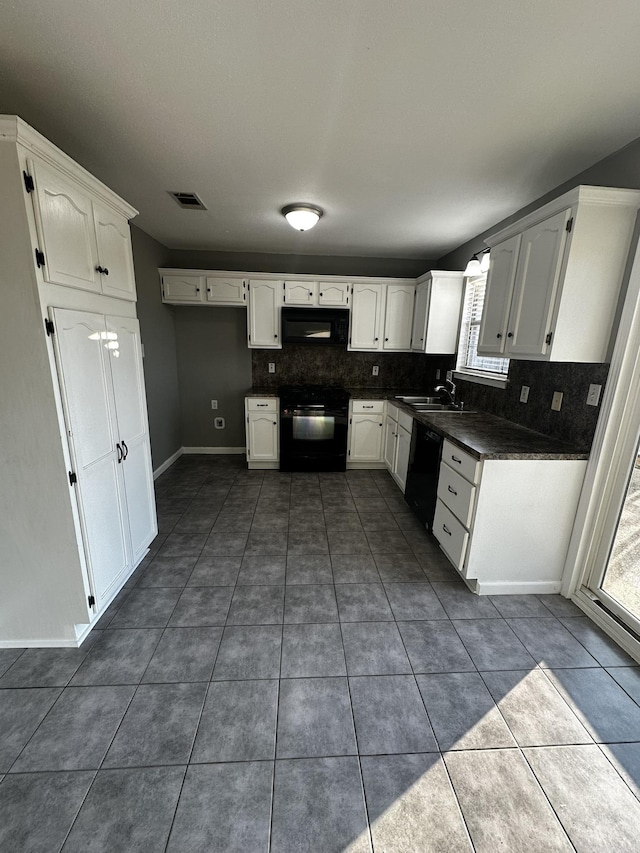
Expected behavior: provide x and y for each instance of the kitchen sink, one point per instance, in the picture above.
(412, 401)
(430, 404)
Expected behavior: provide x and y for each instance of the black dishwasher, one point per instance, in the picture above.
(422, 475)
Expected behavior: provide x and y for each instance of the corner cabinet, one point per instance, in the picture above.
(77, 484)
(436, 315)
(262, 426)
(555, 278)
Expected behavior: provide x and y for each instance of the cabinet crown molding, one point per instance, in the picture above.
(14, 129)
(583, 194)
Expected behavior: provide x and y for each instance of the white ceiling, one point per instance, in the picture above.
(415, 124)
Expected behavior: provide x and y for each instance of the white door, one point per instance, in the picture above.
(402, 456)
(420, 313)
(81, 341)
(366, 313)
(262, 440)
(300, 292)
(115, 258)
(226, 291)
(498, 294)
(398, 319)
(125, 355)
(536, 285)
(366, 438)
(390, 429)
(265, 299)
(335, 293)
(182, 288)
(64, 219)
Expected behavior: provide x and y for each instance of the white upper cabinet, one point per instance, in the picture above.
(182, 289)
(83, 242)
(115, 264)
(398, 317)
(367, 312)
(226, 291)
(436, 315)
(301, 293)
(66, 234)
(555, 277)
(333, 293)
(263, 318)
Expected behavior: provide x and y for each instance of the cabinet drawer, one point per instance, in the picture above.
(457, 493)
(368, 407)
(461, 462)
(392, 411)
(262, 404)
(405, 420)
(452, 536)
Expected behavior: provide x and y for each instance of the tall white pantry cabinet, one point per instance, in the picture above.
(77, 509)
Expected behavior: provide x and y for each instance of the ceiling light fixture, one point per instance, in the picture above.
(302, 217)
(478, 266)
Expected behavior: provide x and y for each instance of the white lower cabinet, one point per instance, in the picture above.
(397, 444)
(505, 524)
(100, 369)
(366, 419)
(263, 438)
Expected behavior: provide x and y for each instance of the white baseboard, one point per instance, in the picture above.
(39, 644)
(210, 450)
(517, 587)
(168, 463)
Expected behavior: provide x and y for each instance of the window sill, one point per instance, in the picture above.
(481, 378)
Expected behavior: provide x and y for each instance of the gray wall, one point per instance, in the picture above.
(157, 329)
(214, 363)
(302, 264)
(577, 421)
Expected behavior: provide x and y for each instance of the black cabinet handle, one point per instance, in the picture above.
(125, 451)
(105, 271)
(446, 529)
(510, 335)
(453, 491)
(455, 459)
(499, 335)
(119, 449)
(99, 269)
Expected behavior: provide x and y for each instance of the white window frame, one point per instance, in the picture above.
(481, 373)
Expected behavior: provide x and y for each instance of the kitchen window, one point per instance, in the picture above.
(470, 365)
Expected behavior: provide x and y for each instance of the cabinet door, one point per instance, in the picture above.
(420, 313)
(226, 291)
(390, 430)
(443, 313)
(367, 306)
(263, 317)
(114, 252)
(536, 286)
(81, 342)
(179, 289)
(125, 355)
(64, 220)
(366, 438)
(402, 457)
(300, 292)
(262, 439)
(334, 293)
(398, 319)
(497, 298)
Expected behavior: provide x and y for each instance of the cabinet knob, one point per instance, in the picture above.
(99, 269)
(499, 335)
(375, 339)
(275, 423)
(197, 290)
(105, 271)
(322, 294)
(275, 336)
(385, 340)
(510, 335)
(311, 293)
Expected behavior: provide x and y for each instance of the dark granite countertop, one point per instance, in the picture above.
(257, 391)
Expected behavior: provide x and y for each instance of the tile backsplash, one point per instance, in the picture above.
(335, 366)
(574, 423)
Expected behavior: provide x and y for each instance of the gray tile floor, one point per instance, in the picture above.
(295, 667)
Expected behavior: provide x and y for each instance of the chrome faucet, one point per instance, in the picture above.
(449, 389)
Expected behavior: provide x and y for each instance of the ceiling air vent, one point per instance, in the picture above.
(189, 201)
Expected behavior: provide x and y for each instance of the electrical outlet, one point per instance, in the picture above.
(437, 374)
(449, 375)
(556, 403)
(375, 371)
(524, 394)
(593, 397)
(218, 423)
(272, 367)
(214, 404)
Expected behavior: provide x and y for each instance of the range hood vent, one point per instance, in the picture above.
(188, 201)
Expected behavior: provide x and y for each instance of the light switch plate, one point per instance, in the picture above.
(524, 393)
(449, 375)
(556, 403)
(593, 397)
(272, 367)
(214, 404)
(376, 370)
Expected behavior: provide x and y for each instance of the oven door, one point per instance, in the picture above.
(313, 438)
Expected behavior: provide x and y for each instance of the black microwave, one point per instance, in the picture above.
(317, 326)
